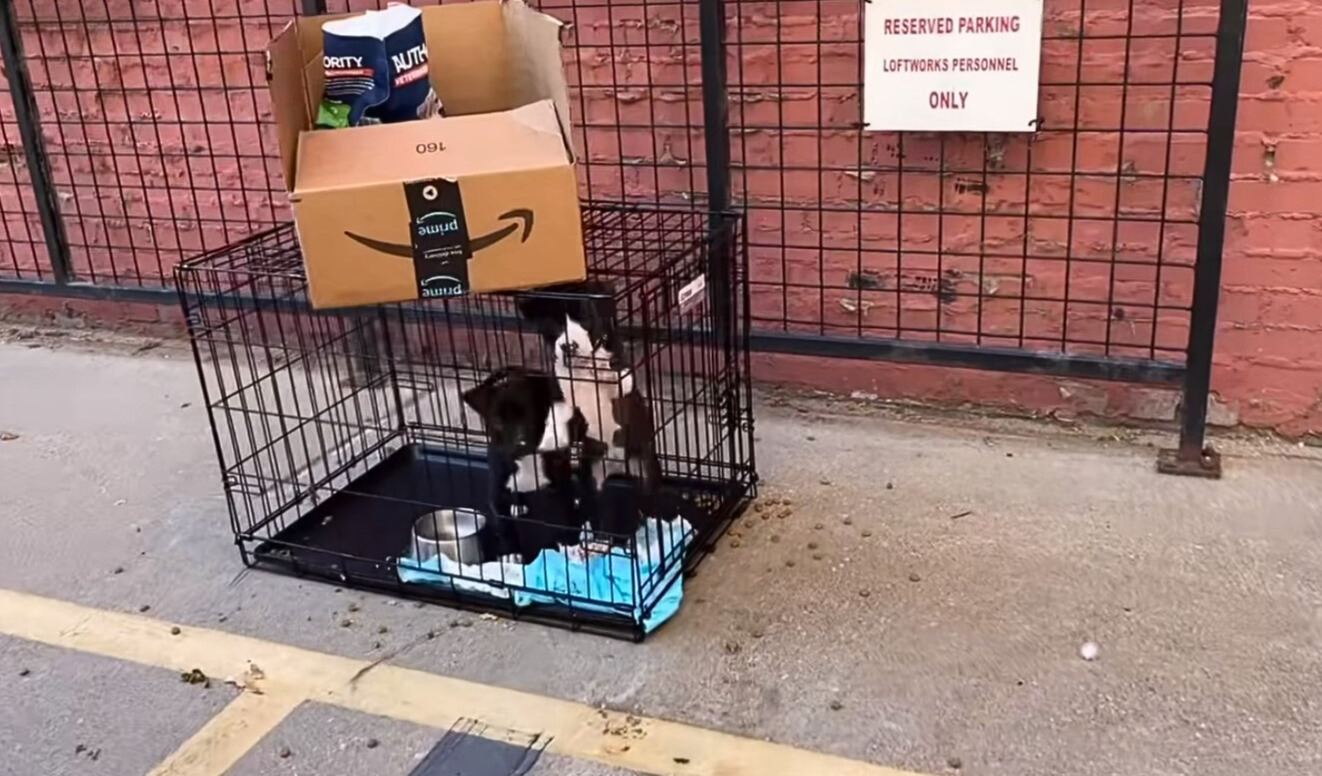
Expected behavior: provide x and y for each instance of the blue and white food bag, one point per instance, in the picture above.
(376, 69)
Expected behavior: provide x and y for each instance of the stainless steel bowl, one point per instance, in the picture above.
(453, 533)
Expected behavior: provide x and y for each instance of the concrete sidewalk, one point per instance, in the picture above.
(921, 605)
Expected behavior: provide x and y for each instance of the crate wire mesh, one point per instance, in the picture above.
(329, 451)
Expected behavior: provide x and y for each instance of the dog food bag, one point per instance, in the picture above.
(376, 70)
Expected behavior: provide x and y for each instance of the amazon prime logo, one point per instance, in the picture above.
(437, 224)
(441, 287)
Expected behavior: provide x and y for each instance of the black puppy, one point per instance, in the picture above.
(514, 404)
(569, 490)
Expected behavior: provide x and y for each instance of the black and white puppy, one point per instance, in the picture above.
(578, 323)
(515, 404)
(607, 400)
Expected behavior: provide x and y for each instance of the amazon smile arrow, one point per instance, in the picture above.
(521, 220)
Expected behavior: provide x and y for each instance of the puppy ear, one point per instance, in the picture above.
(530, 307)
(542, 313)
(481, 396)
(602, 312)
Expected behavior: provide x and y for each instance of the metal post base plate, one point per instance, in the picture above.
(1206, 465)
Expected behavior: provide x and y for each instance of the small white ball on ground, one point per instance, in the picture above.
(1089, 650)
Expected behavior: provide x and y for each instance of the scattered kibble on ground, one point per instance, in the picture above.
(195, 676)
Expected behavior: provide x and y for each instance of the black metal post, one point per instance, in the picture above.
(716, 136)
(720, 231)
(34, 145)
(715, 106)
(1193, 456)
(314, 7)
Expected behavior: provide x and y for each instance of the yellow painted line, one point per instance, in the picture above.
(623, 741)
(228, 735)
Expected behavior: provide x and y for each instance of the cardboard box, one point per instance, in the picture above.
(485, 199)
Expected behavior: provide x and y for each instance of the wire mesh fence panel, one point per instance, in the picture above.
(157, 128)
(154, 128)
(160, 139)
(23, 254)
(1078, 239)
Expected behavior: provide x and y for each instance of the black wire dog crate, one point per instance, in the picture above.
(395, 448)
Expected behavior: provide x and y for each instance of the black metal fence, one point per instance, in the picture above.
(137, 132)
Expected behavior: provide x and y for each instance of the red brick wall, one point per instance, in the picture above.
(156, 117)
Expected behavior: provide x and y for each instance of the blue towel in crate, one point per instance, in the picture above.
(602, 582)
(376, 64)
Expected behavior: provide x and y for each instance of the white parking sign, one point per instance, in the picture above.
(952, 65)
